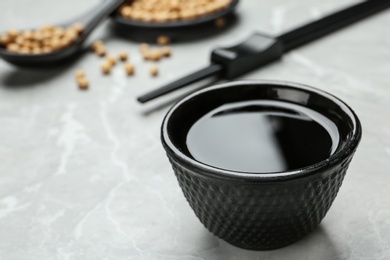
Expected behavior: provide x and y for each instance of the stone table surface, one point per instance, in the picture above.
(83, 174)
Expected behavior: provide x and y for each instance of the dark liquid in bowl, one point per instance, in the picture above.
(262, 137)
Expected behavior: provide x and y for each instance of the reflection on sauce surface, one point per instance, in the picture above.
(262, 137)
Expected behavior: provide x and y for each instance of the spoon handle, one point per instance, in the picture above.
(92, 18)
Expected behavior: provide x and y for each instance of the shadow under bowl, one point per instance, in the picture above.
(260, 211)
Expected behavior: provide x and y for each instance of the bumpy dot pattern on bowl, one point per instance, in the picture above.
(261, 216)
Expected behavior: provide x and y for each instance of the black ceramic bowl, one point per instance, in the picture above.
(260, 211)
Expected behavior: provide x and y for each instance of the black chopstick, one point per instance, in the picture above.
(259, 50)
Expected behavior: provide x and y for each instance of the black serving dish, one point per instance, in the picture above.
(181, 30)
(260, 211)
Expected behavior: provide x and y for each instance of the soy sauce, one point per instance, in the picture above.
(262, 137)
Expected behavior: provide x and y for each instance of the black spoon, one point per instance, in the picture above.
(90, 20)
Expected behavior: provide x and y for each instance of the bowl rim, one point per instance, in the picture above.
(338, 157)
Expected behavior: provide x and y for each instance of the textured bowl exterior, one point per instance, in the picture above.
(260, 216)
(260, 211)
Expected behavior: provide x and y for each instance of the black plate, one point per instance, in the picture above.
(175, 24)
(182, 30)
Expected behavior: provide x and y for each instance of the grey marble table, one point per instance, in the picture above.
(83, 174)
